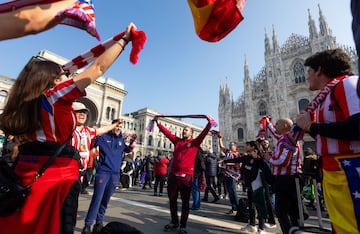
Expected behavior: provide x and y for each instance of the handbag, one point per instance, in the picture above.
(12, 194)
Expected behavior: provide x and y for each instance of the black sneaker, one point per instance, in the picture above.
(86, 230)
(230, 211)
(170, 227)
(182, 231)
(97, 228)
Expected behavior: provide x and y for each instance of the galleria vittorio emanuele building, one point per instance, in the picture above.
(280, 88)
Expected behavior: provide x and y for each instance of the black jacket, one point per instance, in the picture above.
(211, 165)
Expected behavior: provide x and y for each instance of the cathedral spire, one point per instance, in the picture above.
(312, 29)
(276, 47)
(246, 69)
(267, 44)
(324, 28)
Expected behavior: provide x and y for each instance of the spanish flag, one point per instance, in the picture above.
(214, 19)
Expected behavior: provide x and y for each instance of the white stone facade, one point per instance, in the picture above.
(105, 99)
(280, 88)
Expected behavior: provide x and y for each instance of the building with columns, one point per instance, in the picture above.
(137, 122)
(105, 98)
(280, 88)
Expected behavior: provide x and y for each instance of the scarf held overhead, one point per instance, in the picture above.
(138, 39)
(150, 126)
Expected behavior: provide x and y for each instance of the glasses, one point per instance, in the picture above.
(65, 73)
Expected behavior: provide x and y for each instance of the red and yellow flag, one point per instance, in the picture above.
(214, 19)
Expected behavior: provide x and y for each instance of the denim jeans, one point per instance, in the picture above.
(195, 194)
(231, 189)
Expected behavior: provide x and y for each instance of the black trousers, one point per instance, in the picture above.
(69, 210)
(210, 187)
(286, 204)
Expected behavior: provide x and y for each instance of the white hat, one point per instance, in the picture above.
(78, 106)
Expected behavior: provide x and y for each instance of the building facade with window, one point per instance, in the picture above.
(137, 122)
(105, 99)
(280, 88)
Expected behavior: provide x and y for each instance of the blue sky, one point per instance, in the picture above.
(177, 72)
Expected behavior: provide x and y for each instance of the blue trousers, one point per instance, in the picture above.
(196, 194)
(104, 186)
(231, 188)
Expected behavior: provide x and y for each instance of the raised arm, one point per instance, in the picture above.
(166, 132)
(104, 61)
(31, 19)
(107, 128)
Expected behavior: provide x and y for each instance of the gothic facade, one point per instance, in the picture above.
(280, 88)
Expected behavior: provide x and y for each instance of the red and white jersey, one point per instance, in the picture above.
(82, 142)
(286, 159)
(337, 107)
(57, 114)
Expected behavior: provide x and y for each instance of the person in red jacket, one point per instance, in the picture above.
(160, 171)
(182, 172)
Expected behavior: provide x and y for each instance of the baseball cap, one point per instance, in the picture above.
(78, 106)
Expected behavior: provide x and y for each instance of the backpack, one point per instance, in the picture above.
(243, 213)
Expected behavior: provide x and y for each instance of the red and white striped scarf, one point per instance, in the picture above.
(150, 126)
(296, 132)
(138, 39)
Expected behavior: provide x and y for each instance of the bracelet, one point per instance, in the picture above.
(126, 40)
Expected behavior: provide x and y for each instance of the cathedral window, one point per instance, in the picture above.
(150, 141)
(240, 133)
(299, 73)
(140, 139)
(262, 109)
(303, 104)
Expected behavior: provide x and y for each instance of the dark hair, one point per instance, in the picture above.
(256, 145)
(22, 112)
(333, 63)
(115, 120)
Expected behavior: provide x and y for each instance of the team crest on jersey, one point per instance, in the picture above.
(120, 143)
(188, 145)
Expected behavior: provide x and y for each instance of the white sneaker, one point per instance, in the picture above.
(260, 231)
(248, 229)
(268, 225)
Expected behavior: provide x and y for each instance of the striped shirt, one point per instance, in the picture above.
(82, 142)
(58, 117)
(286, 159)
(338, 105)
(232, 167)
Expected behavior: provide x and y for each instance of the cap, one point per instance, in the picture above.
(78, 106)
